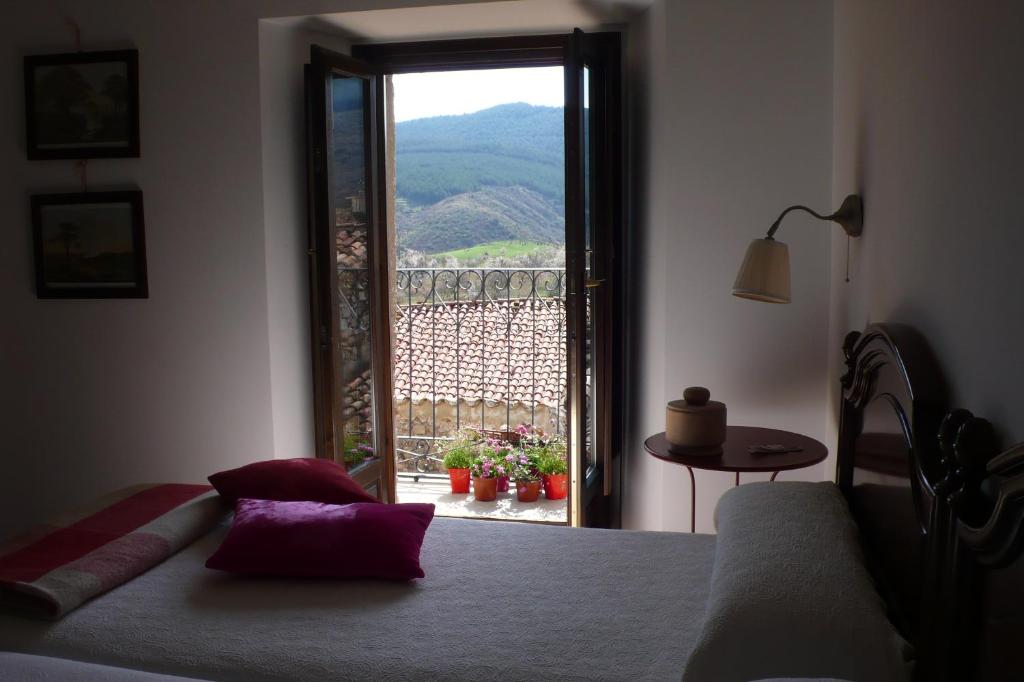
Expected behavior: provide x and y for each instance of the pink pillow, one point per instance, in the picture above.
(319, 480)
(315, 540)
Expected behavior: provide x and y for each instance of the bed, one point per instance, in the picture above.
(938, 511)
(183, 619)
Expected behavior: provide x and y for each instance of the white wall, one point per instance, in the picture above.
(212, 370)
(284, 49)
(739, 112)
(106, 393)
(645, 66)
(928, 114)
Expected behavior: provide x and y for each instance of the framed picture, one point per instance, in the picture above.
(89, 245)
(82, 105)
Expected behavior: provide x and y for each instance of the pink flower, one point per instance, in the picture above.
(501, 470)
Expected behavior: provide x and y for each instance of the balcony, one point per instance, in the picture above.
(475, 348)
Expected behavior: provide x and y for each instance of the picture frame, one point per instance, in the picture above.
(89, 245)
(82, 105)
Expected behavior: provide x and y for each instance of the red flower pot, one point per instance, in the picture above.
(460, 480)
(502, 484)
(527, 491)
(485, 489)
(556, 486)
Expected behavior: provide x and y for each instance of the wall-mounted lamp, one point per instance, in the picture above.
(764, 275)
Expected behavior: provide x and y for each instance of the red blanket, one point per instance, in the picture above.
(58, 569)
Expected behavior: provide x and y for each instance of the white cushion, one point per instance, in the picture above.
(790, 595)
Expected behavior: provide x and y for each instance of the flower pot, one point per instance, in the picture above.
(527, 491)
(556, 486)
(485, 489)
(460, 480)
(502, 484)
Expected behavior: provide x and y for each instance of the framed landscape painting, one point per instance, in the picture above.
(89, 245)
(82, 105)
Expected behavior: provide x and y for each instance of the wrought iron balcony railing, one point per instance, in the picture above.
(476, 348)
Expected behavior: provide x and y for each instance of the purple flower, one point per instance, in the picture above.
(501, 470)
(510, 457)
(523, 459)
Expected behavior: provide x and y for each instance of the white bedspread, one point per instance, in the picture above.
(500, 601)
(28, 668)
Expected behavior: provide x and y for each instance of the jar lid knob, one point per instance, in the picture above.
(696, 395)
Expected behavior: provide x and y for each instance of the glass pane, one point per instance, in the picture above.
(353, 376)
(589, 402)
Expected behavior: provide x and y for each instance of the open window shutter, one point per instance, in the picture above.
(348, 274)
(592, 210)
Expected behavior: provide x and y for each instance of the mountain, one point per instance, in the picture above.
(507, 145)
(487, 215)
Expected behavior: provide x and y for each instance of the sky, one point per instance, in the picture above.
(420, 95)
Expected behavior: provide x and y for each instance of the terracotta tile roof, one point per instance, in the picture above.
(500, 351)
(358, 394)
(350, 248)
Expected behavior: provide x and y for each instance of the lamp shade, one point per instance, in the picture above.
(764, 275)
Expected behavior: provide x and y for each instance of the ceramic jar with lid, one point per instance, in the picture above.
(696, 422)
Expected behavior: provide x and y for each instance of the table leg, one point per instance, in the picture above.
(693, 502)
(773, 476)
(737, 478)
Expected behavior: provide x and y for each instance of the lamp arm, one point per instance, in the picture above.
(775, 225)
(849, 216)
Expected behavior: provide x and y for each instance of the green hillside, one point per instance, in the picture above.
(487, 215)
(505, 249)
(507, 145)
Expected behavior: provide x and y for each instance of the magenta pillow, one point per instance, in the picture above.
(319, 480)
(316, 540)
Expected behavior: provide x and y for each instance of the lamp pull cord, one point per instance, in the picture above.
(82, 170)
(76, 31)
(847, 259)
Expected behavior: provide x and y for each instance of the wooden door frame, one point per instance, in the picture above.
(465, 53)
(535, 51)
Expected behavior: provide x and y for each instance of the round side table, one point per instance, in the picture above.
(736, 455)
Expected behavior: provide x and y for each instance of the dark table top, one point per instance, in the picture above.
(736, 456)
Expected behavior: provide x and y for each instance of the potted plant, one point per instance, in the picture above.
(527, 476)
(554, 471)
(485, 478)
(457, 461)
(355, 450)
(500, 453)
(528, 436)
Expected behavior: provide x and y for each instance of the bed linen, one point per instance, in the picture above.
(60, 566)
(499, 600)
(28, 668)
